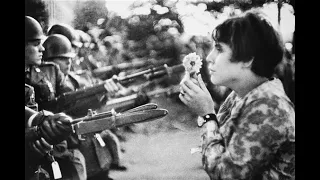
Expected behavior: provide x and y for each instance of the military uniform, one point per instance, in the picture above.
(31, 159)
(30, 97)
(47, 81)
(80, 109)
(98, 157)
(38, 166)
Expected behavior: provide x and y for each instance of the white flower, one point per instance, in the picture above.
(192, 63)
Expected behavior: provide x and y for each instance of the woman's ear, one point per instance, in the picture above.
(247, 64)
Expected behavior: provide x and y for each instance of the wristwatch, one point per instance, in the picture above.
(208, 117)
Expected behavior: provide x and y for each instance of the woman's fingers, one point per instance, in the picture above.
(184, 98)
(186, 90)
(201, 83)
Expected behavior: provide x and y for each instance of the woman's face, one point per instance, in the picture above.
(222, 71)
(33, 52)
(64, 64)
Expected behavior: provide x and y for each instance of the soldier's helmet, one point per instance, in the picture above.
(57, 45)
(67, 31)
(32, 29)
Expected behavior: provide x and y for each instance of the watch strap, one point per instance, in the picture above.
(208, 117)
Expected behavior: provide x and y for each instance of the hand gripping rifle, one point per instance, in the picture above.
(97, 122)
(68, 99)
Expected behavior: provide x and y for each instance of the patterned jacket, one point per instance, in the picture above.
(255, 138)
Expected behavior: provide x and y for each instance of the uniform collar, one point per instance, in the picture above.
(35, 68)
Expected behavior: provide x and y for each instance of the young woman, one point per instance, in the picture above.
(252, 136)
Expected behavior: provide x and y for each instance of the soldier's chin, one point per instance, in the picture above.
(39, 62)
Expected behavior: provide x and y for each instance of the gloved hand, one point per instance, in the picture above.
(55, 128)
(141, 99)
(41, 147)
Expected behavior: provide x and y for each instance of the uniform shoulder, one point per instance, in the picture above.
(47, 64)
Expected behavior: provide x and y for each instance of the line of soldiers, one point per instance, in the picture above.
(52, 151)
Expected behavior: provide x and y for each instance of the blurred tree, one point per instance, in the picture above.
(88, 12)
(154, 31)
(38, 10)
(112, 24)
(149, 24)
(244, 4)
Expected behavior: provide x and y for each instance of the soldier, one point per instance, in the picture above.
(47, 81)
(42, 130)
(58, 50)
(46, 78)
(69, 32)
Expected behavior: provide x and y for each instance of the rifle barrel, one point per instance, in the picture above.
(136, 63)
(68, 98)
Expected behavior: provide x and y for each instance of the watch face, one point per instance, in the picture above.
(200, 121)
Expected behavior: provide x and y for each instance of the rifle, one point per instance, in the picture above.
(108, 71)
(127, 102)
(96, 122)
(66, 100)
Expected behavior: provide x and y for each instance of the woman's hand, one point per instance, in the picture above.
(196, 97)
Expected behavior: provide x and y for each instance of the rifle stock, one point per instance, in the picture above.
(68, 99)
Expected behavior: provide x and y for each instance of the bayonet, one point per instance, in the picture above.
(95, 122)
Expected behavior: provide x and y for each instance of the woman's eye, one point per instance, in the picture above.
(219, 49)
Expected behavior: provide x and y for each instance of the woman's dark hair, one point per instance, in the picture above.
(252, 36)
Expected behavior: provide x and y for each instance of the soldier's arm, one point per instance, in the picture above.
(61, 86)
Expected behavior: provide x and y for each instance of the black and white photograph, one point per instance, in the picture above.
(159, 90)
